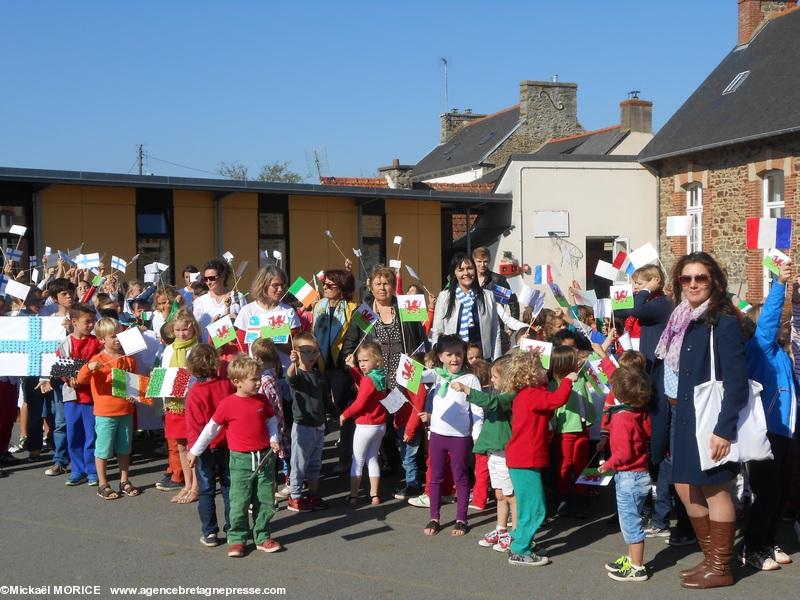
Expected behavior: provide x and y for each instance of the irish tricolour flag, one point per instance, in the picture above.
(129, 385)
(303, 292)
(769, 233)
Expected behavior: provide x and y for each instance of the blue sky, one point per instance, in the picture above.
(200, 82)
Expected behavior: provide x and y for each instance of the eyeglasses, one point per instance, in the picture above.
(700, 279)
(212, 278)
(329, 284)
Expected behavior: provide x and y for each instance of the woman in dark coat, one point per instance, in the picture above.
(703, 305)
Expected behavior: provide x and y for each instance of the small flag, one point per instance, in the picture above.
(253, 331)
(168, 382)
(559, 295)
(64, 256)
(118, 264)
(396, 264)
(585, 297)
(228, 256)
(530, 297)
(412, 308)
(364, 318)
(744, 306)
(194, 277)
(33, 261)
(679, 225)
(409, 373)
(623, 262)
(328, 234)
(621, 297)
(97, 280)
(88, 261)
(398, 240)
(18, 230)
(606, 270)
(3, 285)
(132, 341)
(394, 401)
(13, 255)
(173, 310)
(320, 276)
(240, 269)
(774, 260)
(625, 341)
(129, 385)
(646, 255)
(413, 273)
(221, 332)
(769, 233)
(542, 274)
(276, 327)
(303, 292)
(502, 295)
(357, 252)
(17, 289)
(147, 315)
(155, 267)
(544, 349)
(277, 254)
(34, 276)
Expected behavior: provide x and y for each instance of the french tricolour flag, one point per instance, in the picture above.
(623, 263)
(769, 233)
(542, 274)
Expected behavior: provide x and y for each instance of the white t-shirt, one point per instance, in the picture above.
(254, 308)
(453, 415)
(205, 308)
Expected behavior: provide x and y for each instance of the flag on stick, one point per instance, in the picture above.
(129, 385)
(409, 373)
(303, 292)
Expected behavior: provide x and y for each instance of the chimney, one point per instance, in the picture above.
(549, 109)
(753, 13)
(636, 114)
(451, 122)
(397, 176)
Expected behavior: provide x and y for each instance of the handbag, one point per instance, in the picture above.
(751, 429)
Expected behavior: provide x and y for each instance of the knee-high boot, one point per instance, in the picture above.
(717, 570)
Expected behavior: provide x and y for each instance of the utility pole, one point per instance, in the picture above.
(139, 157)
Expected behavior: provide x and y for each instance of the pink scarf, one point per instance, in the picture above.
(669, 346)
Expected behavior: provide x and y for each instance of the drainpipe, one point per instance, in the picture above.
(469, 232)
(37, 220)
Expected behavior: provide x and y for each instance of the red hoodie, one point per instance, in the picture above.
(366, 409)
(629, 434)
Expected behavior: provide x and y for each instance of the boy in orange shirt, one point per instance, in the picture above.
(113, 416)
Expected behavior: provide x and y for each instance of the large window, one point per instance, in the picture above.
(15, 209)
(373, 234)
(154, 231)
(694, 208)
(273, 229)
(772, 194)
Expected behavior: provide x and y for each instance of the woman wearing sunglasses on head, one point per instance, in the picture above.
(703, 308)
(219, 301)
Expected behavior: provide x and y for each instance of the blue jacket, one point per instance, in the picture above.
(770, 365)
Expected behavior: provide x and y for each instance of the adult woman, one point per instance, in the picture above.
(467, 310)
(219, 301)
(703, 308)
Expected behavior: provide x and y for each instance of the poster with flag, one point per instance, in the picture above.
(276, 327)
(129, 385)
(623, 263)
(28, 345)
(543, 349)
(502, 295)
(409, 373)
(621, 297)
(221, 332)
(168, 382)
(775, 259)
(412, 308)
(542, 274)
(304, 293)
(364, 318)
(769, 233)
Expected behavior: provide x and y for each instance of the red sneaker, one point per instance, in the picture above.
(269, 546)
(317, 503)
(298, 505)
(236, 550)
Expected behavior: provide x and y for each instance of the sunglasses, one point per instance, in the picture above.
(701, 278)
(329, 284)
(212, 278)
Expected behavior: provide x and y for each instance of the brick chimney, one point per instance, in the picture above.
(636, 114)
(397, 176)
(550, 109)
(451, 122)
(753, 13)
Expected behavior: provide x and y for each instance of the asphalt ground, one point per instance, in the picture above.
(56, 535)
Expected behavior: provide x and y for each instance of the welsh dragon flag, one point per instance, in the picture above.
(364, 318)
(221, 332)
(409, 373)
(129, 385)
(412, 308)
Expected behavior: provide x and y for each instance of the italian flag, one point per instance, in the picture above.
(221, 332)
(129, 385)
(364, 318)
(168, 382)
(303, 292)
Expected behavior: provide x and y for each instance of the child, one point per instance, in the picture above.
(570, 425)
(480, 490)
(494, 436)
(113, 421)
(474, 352)
(453, 426)
(80, 344)
(251, 433)
(308, 429)
(202, 401)
(370, 417)
(186, 333)
(629, 432)
(527, 451)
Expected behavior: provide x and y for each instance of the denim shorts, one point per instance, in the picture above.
(632, 488)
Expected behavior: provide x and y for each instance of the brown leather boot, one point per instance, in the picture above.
(717, 570)
(702, 530)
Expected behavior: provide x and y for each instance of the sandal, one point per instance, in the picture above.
(188, 498)
(460, 529)
(127, 488)
(352, 500)
(107, 493)
(374, 500)
(432, 528)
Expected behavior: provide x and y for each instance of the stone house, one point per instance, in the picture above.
(732, 151)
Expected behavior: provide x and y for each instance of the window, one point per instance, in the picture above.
(154, 231)
(772, 193)
(15, 209)
(694, 208)
(373, 236)
(273, 229)
(735, 83)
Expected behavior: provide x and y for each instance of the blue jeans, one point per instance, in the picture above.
(54, 413)
(80, 439)
(408, 454)
(306, 459)
(632, 488)
(210, 464)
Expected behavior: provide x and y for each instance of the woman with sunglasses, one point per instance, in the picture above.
(219, 301)
(703, 308)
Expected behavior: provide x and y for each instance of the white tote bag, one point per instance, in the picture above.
(751, 430)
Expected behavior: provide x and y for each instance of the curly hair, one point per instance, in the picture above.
(219, 265)
(720, 302)
(203, 361)
(526, 370)
(345, 281)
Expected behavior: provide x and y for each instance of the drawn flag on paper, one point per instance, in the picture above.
(303, 292)
(621, 297)
(606, 270)
(253, 331)
(221, 332)
(28, 345)
(412, 308)
(542, 274)
(559, 295)
(623, 262)
(276, 327)
(409, 373)
(364, 318)
(228, 256)
(357, 252)
(129, 385)
(398, 240)
(544, 349)
(775, 259)
(769, 233)
(168, 382)
(396, 264)
(591, 476)
(502, 295)
(394, 401)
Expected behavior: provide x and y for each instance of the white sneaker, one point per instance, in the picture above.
(421, 501)
(780, 556)
(283, 493)
(759, 558)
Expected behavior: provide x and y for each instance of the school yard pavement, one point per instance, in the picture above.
(59, 536)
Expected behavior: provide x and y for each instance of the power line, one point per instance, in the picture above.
(174, 164)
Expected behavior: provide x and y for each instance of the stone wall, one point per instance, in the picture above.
(732, 181)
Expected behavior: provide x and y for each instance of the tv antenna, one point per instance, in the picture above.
(316, 163)
(446, 99)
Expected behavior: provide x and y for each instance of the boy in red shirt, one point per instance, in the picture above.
(252, 436)
(202, 401)
(629, 435)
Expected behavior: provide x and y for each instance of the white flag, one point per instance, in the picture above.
(394, 401)
(398, 239)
